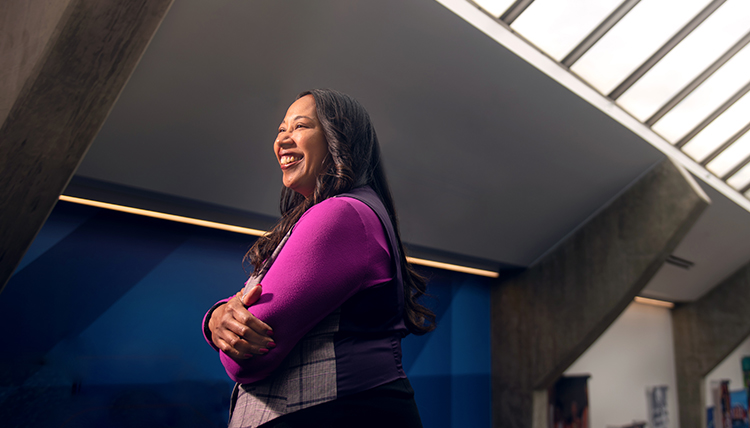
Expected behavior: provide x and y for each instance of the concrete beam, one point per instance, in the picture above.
(544, 318)
(705, 333)
(56, 107)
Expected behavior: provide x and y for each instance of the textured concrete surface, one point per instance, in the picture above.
(546, 316)
(25, 29)
(705, 332)
(91, 47)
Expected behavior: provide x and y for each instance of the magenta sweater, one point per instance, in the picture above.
(337, 256)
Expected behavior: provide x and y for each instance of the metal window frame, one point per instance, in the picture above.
(719, 150)
(597, 33)
(723, 59)
(665, 49)
(716, 113)
(515, 10)
(735, 170)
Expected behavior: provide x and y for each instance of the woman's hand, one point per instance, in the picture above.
(236, 331)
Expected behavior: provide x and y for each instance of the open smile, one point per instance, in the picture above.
(288, 160)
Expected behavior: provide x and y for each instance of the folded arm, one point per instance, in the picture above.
(337, 248)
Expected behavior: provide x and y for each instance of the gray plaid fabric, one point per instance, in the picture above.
(306, 377)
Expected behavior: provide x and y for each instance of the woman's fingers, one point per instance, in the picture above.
(237, 332)
(243, 316)
(252, 295)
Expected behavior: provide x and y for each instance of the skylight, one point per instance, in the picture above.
(680, 67)
(687, 60)
(633, 40)
(495, 7)
(535, 22)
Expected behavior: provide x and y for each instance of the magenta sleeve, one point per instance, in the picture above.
(336, 249)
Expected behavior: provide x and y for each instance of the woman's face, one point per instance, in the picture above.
(301, 147)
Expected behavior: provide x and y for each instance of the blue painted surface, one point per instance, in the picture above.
(104, 318)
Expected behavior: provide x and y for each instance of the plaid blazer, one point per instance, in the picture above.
(306, 377)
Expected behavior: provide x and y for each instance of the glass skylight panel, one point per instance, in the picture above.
(687, 60)
(633, 40)
(720, 130)
(731, 157)
(495, 7)
(741, 179)
(716, 90)
(558, 26)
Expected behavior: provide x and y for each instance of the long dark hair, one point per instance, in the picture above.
(354, 161)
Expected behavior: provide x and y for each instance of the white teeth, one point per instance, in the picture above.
(287, 159)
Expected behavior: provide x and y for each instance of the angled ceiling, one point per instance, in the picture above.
(488, 157)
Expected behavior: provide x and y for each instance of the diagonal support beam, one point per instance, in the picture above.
(67, 95)
(544, 318)
(705, 332)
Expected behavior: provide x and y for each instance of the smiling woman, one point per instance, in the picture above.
(301, 147)
(315, 338)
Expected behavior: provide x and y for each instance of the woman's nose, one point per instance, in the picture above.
(283, 138)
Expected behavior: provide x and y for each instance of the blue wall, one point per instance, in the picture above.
(101, 326)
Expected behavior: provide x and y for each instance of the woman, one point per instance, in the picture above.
(315, 339)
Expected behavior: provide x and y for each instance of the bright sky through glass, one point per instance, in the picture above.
(688, 59)
(494, 7)
(731, 157)
(547, 23)
(720, 130)
(741, 179)
(706, 98)
(633, 40)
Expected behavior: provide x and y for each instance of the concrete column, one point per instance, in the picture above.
(705, 332)
(67, 62)
(544, 318)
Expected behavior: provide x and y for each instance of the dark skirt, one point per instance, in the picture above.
(391, 405)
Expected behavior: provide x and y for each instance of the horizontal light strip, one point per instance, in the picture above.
(253, 232)
(163, 216)
(449, 266)
(654, 302)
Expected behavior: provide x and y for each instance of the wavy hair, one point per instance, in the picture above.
(354, 161)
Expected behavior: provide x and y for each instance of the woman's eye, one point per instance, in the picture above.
(299, 125)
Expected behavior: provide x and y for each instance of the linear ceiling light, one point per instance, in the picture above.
(163, 216)
(253, 232)
(456, 268)
(654, 302)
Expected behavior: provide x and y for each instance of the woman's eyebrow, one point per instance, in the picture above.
(299, 116)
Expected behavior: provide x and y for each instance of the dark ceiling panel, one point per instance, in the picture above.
(487, 156)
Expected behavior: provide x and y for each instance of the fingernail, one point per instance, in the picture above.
(271, 344)
(269, 332)
(263, 350)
